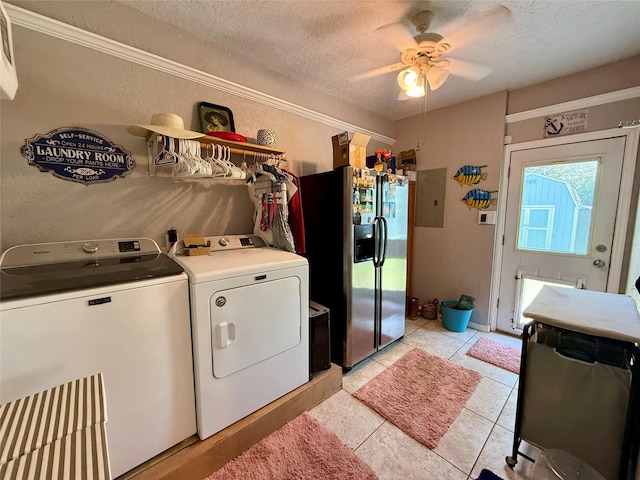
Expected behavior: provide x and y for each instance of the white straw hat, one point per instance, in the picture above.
(168, 124)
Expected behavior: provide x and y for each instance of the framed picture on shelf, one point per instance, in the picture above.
(215, 118)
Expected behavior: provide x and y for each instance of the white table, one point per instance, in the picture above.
(606, 315)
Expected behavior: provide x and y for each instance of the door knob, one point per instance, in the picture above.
(599, 263)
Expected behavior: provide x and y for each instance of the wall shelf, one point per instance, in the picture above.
(240, 148)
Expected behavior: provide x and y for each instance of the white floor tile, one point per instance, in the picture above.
(411, 324)
(507, 418)
(464, 336)
(434, 342)
(489, 399)
(360, 375)
(392, 353)
(493, 457)
(349, 419)
(462, 443)
(393, 455)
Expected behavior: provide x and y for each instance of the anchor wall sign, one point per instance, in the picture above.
(565, 123)
(78, 155)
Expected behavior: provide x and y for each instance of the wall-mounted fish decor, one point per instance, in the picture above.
(480, 199)
(470, 175)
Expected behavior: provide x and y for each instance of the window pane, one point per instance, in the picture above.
(556, 207)
(539, 218)
(537, 240)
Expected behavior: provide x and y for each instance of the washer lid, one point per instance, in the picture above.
(34, 280)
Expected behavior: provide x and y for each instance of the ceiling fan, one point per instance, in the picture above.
(422, 56)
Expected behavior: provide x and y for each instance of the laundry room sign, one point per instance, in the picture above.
(79, 155)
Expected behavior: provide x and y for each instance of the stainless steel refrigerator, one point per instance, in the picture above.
(356, 243)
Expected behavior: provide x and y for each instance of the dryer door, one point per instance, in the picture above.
(251, 323)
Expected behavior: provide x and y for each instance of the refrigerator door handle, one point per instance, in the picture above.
(383, 241)
(377, 232)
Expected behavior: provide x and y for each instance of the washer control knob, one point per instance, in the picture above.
(90, 247)
(224, 241)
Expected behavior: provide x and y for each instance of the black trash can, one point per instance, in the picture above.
(319, 338)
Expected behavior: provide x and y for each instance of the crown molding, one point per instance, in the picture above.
(610, 97)
(54, 28)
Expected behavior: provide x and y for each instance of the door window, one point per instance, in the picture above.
(556, 206)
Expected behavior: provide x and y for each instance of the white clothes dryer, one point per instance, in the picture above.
(250, 327)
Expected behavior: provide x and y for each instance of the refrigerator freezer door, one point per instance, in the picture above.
(360, 282)
(393, 274)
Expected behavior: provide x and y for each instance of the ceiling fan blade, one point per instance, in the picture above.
(376, 72)
(458, 36)
(470, 70)
(396, 35)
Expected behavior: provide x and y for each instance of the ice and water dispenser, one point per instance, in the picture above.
(364, 243)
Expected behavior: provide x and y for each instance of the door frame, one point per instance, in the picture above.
(632, 136)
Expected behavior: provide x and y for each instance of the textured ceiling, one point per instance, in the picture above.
(324, 44)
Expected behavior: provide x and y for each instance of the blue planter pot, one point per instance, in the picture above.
(453, 319)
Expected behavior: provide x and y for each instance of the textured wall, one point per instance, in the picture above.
(457, 258)
(69, 85)
(608, 78)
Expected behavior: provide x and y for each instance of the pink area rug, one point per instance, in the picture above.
(497, 353)
(422, 394)
(301, 450)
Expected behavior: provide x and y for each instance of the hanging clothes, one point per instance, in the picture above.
(282, 237)
(296, 218)
(270, 196)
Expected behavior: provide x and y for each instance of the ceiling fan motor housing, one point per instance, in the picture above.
(424, 54)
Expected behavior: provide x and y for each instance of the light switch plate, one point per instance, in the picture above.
(487, 217)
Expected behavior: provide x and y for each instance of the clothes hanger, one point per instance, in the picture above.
(166, 152)
(196, 151)
(183, 167)
(222, 170)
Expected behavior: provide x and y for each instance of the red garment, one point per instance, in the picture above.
(296, 220)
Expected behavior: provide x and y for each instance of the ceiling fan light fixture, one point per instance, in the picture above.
(418, 90)
(409, 78)
(436, 76)
(415, 92)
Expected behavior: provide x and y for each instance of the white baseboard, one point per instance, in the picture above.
(479, 326)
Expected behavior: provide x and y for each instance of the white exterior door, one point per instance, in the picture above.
(559, 221)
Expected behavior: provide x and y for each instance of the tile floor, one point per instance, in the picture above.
(481, 436)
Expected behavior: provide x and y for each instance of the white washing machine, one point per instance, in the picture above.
(250, 328)
(120, 307)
